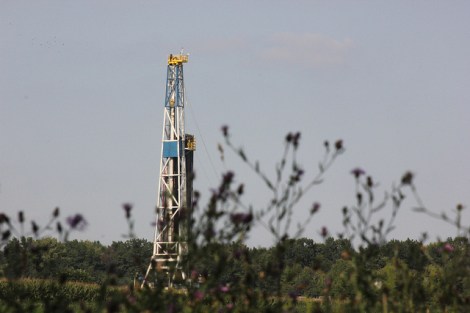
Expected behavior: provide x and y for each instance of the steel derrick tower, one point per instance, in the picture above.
(174, 202)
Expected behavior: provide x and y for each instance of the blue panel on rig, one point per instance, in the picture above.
(170, 149)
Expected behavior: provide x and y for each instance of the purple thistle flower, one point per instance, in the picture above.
(77, 221)
(228, 177)
(448, 247)
(4, 218)
(198, 295)
(295, 139)
(315, 208)
(59, 227)
(289, 137)
(407, 178)
(357, 172)
(21, 216)
(339, 145)
(241, 218)
(225, 130)
(35, 227)
(5, 235)
(224, 288)
(127, 208)
(240, 189)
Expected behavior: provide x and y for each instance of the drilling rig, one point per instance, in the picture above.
(174, 202)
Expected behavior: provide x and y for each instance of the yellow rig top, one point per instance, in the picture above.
(177, 59)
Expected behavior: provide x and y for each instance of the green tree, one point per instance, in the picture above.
(128, 259)
(84, 256)
(433, 284)
(409, 251)
(46, 255)
(401, 287)
(342, 279)
(15, 256)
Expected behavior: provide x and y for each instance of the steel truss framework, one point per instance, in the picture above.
(174, 190)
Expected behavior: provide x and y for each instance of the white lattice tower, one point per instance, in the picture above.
(175, 184)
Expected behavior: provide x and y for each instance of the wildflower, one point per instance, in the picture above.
(127, 208)
(59, 227)
(295, 139)
(357, 172)
(339, 145)
(241, 218)
(225, 130)
(198, 295)
(5, 235)
(407, 178)
(315, 208)
(240, 189)
(228, 177)
(77, 221)
(359, 198)
(224, 289)
(4, 218)
(324, 232)
(35, 227)
(289, 137)
(448, 248)
(56, 212)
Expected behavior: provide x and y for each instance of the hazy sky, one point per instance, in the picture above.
(82, 88)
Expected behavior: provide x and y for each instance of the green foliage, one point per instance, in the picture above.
(127, 259)
(361, 271)
(409, 251)
(83, 261)
(27, 295)
(341, 279)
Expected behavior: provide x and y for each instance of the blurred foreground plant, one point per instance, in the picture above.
(10, 228)
(227, 219)
(227, 276)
